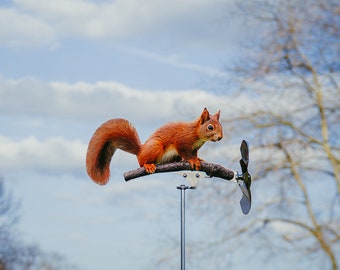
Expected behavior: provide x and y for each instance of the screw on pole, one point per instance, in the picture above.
(182, 188)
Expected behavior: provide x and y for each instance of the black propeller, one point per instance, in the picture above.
(245, 177)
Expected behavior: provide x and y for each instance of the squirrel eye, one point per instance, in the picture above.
(210, 127)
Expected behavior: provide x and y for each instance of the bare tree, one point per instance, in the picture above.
(7, 219)
(14, 254)
(291, 70)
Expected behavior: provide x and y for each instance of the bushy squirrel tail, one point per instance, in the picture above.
(111, 135)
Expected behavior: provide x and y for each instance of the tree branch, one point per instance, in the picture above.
(211, 169)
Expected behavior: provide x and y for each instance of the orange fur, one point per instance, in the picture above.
(172, 142)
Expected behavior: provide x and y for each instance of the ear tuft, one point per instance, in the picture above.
(217, 115)
(204, 116)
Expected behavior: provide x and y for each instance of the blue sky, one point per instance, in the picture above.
(66, 67)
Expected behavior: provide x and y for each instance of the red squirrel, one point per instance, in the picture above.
(172, 142)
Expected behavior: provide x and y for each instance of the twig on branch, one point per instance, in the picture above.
(211, 169)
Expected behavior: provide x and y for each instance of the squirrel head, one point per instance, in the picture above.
(210, 127)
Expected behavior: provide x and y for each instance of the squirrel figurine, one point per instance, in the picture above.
(172, 142)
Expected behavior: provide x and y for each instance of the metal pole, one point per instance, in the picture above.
(182, 188)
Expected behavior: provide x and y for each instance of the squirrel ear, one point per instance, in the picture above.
(204, 116)
(217, 115)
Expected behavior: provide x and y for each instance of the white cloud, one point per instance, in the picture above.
(18, 29)
(54, 155)
(195, 22)
(101, 100)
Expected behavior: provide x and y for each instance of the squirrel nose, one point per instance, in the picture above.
(219, 138)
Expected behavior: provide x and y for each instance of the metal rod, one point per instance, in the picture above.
(182, 188)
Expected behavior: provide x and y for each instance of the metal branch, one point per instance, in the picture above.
(211, 169)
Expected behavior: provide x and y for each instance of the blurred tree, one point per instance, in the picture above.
(291, 71)
(14, 254)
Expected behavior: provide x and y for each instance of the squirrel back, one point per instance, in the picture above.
(174, 141)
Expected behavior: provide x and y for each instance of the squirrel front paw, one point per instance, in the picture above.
(150, 168)
(195, 163)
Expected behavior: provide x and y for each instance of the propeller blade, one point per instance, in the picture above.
(245, 185)
(244, 166)
(245, 201)
(245, 151)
